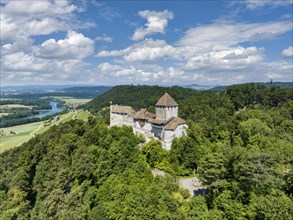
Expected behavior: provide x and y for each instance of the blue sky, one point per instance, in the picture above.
(145, 42)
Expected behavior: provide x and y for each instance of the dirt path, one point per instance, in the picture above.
(32, 133)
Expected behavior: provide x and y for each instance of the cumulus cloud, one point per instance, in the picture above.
(288, 52)
(25, 68)
(227, 59)
(24, 60)
(147, 50)
(75, 46)
(107, 67)
(21, 8)
(157, 22)
(206, 54)
(20, 19)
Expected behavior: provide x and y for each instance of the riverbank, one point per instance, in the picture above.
(16, 135)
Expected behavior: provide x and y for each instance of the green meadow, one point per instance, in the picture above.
(17, 135)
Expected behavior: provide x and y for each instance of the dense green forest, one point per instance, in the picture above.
(239, 144)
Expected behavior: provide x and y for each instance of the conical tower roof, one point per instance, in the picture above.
(166, 100)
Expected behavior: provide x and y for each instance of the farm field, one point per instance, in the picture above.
(25, 132)
(72, 101)
(3, 114)
(10, 106)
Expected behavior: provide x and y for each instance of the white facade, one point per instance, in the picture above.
(165, 112)
(119, 119)
(145, 126)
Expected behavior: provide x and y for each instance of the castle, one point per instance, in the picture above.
(165, 125)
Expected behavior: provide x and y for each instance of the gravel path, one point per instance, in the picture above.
(193, 185)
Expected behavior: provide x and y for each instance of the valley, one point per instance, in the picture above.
(15, 136)
(26, 113)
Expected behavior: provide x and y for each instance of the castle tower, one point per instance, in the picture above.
(166, 107)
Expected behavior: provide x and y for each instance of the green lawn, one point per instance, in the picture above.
(27, 131)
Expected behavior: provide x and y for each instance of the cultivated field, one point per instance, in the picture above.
(10, 106)
(72, 101)
(3, 114)
(25, 132)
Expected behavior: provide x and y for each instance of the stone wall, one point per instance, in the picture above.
(166, 112)
(119, 119)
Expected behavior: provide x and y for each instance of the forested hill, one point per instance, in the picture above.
(239, 144)
(238, 96)
(136, 96)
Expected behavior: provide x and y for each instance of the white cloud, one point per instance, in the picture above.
(75, 46)
(21, 8)
(288, 52)
(212, 53)
(255, 4)
(23, 62)
(222, 35)
(205, 54)
(22, 19)
(227, 59)
(157, 22)
(272, 75)
(26, 68)
(147, 50)
(24, 59)
(107, 67)
(13, 28)
(104, 38)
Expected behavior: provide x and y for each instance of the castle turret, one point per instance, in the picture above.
(166, 107)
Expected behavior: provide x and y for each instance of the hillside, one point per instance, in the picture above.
(239, 144)
(147, 96)
(136, 96)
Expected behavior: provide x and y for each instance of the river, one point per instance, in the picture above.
(54, 109)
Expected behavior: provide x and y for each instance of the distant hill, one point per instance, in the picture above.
(89, 91)
(222, 88)
(199, 87)
(136, 96)
(35, 91)
(34, 88)
(282, 85)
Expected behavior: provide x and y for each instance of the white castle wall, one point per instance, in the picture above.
(147, 126)
(169, 135)
(119, 119)
(166, 112)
